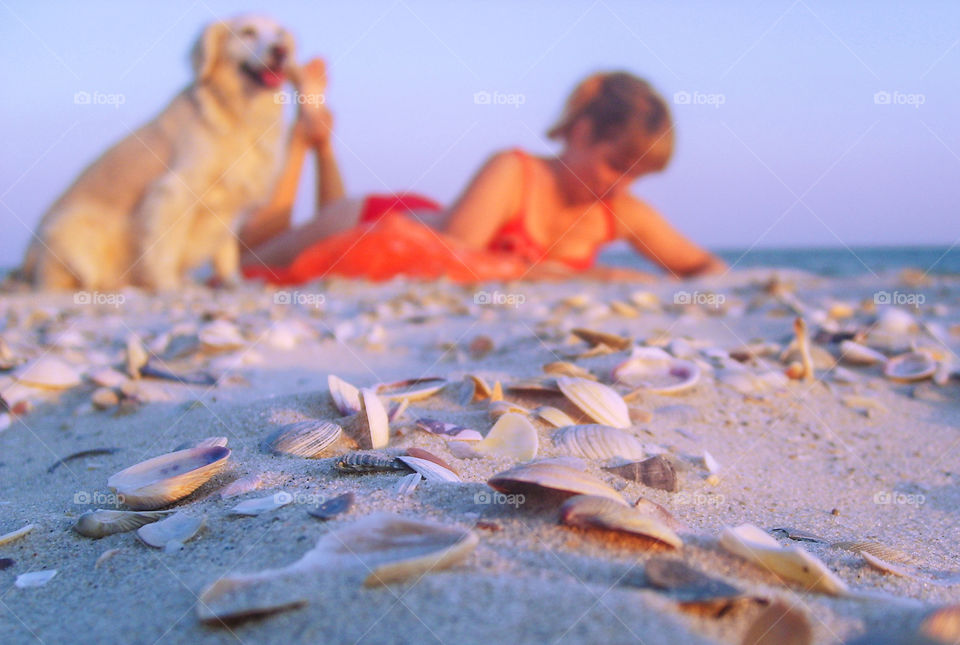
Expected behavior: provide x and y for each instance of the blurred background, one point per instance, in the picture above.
(800, 123)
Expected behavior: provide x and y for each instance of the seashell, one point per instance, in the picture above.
(655, 472)
(252, 507)
(496, 394)
(368, 462)
(101, 523)
(310, 439)
(346, 397)
(480, 388)
(534, 386)
(106, 555)
(621, 308)
(332, 507)
(692, 589)
(284, 334)
(591, 511)
(596, 400)
(798, 535)
(554, 416)
(856, 354)
(397, 409)
(876, 549)
(910, 367)
(107, 377)
(649, 507)
(654, 370)
(790, 563)
(370, 426)
(803, 348)
(595, 441)
(136, 355)
(497, 409)
(47, 372)
(12, 536)
(420, 453)
(896, 322)
(153, 370)
(749, 384)
(883, 566)
(220, 336)
(779, 624)
(412, 389)
(563, 368)
(34, 578)
(943, 624)
(511, 436)
(408, 484)
(104, 398)
(551, 477)
(430, 470)
(595, 338)
(165, 479)
(171, 533)
(710, 463)
(145, 392)
(448, 430)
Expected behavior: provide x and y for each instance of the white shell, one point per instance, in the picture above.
(595, 441)
(511, 436)
(430, 470)
(856, 354)
(378, 424)
(309, 439)
(601, 512)
(656, 371)
(411, 390)
(7, 538)
(408, 483)
(177, 529)
(260, 505)
(793, 563)
(163, 480)
(35, 578)
(596, 400)
(554, 416)
(346, 397)
(48, 372)
(552, 476)
(909, 367)
(101, 523)
(221, 335)
(107, 377)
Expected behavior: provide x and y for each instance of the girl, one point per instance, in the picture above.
(520, 217)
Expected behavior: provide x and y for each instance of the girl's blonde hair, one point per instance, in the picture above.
(626, 110)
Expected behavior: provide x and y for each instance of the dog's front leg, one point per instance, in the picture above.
(226, 262)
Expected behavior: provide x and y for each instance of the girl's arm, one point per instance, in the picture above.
(651, 235)
(491, 197)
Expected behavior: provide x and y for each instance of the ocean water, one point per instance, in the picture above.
(827, 261)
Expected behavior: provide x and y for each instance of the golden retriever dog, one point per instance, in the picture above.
(168, 198)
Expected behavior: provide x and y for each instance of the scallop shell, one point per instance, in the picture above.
(101, 523)
(172, 532)
(599, 402)
(791, 563)
(552, 477)
(602, 512)
(856, 354)
(163, 480)
(309, 439)
(595, 441)
(554, 416)
(910, 367)
(654, 370)
(252, 507)
(220, 336)
(47, 372)
(408, 484)
(511, 436)
(412, 389)
(346, 397)
(430, 470)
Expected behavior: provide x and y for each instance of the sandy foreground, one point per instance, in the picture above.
(851, 455)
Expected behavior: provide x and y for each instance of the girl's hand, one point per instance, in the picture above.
(314, 120)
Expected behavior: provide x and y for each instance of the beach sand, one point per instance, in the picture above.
(885, 467)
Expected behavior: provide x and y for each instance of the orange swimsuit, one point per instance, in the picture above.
(391, 240)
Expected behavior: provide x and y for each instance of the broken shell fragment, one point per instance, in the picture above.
(253, 507)
(551, 476)
(101, 523)
(791, 563)
(595, 338)
(371, 422)
(346, 397)
(34, 578)
(7, 538)
(595, 441)
(172, 532)
(591, 511)
(408, 484)
(165, 479)
(448, 430)
(910, 367)
(310, 439)
(655, 472)
(511, 436)
(598, 401)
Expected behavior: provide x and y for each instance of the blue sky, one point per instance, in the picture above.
(783, 141)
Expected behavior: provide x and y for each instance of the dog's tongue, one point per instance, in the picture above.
(271, 78)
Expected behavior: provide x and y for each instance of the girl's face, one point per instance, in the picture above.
(601, 172)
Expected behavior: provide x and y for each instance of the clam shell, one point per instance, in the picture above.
(563, 368)
(252, 507)
(163, 480)
(943, 624)
(101, 523)
(176, 529)
(430, 470)
(856, 354)
(34, 578)
(654, 370)
(554, 416)
(346, 397)
(553, 477)
(511, 436)
(479, 388)
(47, 372)
(596, 400)
(594, 338)
(910, 367)
(448, 430)
(595, 441)
(791, 563)
(601, 512)
(408, 484)
(309, 439)
(411, 389)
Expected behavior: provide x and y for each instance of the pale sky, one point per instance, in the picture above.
(783, 142)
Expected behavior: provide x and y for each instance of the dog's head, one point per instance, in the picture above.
(255, 48)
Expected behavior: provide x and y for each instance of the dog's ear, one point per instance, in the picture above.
(207, 49)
